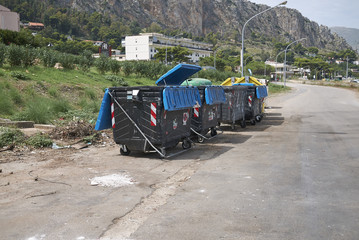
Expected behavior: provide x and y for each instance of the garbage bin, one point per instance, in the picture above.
(151, 118)
(206, 117)
(232, 111)
(254, 103)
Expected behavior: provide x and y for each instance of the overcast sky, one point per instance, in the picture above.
(331, 13)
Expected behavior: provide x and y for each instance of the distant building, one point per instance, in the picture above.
(9, 20)
(143, 46)
(35, 26)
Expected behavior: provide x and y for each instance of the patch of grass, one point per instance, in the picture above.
(276, 88)
(90, 94)
(6, 106)
(39, 141)
(16, 96)
(53, 91)
(37, 110)
(10, 136)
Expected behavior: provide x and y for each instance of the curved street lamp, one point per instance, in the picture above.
(276, 61)
(285, 59)
(242, 50)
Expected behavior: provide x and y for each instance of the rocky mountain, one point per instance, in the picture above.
(351, 35)
(219, 16)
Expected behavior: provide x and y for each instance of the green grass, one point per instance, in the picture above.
(275, 88)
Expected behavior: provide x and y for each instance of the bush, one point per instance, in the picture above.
(10, 136)
(102, 64)
(19, 75)
(86, 61)
(116, 81)
(14, 55)
(2, 53)
(49, 58)
(67, 61)
(128, 68)
(29, 56)
(115, 66)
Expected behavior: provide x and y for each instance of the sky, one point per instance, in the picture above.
(331, 13)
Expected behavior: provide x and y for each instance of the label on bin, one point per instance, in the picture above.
(185, 118)
(210, 115)
(175, 124)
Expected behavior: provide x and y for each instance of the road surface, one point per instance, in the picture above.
(293, 176)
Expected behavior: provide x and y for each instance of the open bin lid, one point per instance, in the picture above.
(215, 95)
(104, 116)
(178, 74)
(233, 80)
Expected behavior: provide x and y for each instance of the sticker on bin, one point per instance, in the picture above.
(196, 112)
(153, 114)
(250, 101)
(210, 115)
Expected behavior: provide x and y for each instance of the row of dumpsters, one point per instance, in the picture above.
(179, 109)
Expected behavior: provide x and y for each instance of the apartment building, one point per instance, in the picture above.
(143, 46)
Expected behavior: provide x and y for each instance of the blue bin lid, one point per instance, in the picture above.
(178, 74)
(180, 97)
(215, 95)
(261, 91)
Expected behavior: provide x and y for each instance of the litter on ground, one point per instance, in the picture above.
(113, 180)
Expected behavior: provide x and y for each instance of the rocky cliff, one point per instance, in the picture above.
(219, 16)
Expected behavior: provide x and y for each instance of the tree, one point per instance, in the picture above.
(176, 54)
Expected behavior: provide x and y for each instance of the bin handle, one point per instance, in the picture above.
(128, 116)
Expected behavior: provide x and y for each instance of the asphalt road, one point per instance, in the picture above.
(292, 176)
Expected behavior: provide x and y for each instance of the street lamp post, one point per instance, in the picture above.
(276, 61)
(242, 50)
(285, 59)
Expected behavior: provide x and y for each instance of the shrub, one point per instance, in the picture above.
(53, 92)
(16, 96)
(19, 75)
(102, 64)
(127, 67)
(49, 58)
(2, 53)
(115, 66)
(116, 81)
(10, 136)
(14, 55)
(67, 60)
(60, 106)
(86, 61)
(29, 56)
(6, 106)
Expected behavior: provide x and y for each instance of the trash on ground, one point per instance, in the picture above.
(113, 180)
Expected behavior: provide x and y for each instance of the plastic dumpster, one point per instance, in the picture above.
(151, 118)
(232, 111)
(206, 117)
(254, 102)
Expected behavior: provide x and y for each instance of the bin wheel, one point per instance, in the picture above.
(258, 118)
(200, 139)
(243, 124)
(186, 144)
(253, 122)
(124, 150)
(213, 132)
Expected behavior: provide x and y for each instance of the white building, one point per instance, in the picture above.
(143, 46)
(9, 20)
